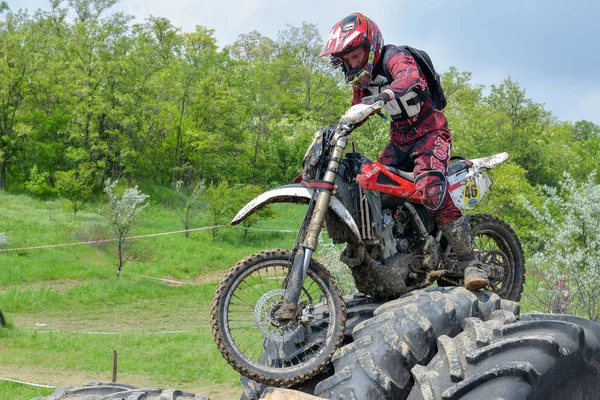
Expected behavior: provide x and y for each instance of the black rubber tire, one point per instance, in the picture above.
(543, 356)
(273, 375)
(2, 320)
(402, 334)
(509, 243)
(99, 391)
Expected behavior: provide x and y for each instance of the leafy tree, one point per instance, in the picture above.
(188, 202)
(75, 186)
(584, 130)
(37, 184)
(568, 252)
(219, 205)
(251, 47)
(122, 212)
(17, 63)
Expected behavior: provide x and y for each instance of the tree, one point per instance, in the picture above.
(188, 199)
(219, 207)
(252, 46)
(122, 213)
(75, 186)
(584, 130)
(568, 248)
(17, 63)
(37, 184)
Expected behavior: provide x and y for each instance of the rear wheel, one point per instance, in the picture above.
(497, 245)
(255, 342)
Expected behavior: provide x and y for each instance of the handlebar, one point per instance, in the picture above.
(359, 112)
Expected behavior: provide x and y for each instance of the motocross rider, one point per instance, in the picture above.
(419, 136)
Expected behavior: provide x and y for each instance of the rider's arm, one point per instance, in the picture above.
(405, 74)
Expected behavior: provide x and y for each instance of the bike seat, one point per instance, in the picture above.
(406, 175)
(457, 165)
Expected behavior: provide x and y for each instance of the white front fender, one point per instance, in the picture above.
(295, 193)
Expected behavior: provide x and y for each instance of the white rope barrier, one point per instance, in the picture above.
(49, 246)
(157, 279)
(28, 383)
(107, 332)
(109, 240)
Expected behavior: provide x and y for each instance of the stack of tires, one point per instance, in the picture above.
(449, 343)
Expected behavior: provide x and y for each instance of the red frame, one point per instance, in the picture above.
(367, 179)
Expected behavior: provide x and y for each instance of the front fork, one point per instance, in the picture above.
(289, 310)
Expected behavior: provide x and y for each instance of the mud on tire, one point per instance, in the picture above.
(325, 332)
(402, 334)
(543, 356)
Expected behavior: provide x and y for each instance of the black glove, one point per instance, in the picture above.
(385, 96)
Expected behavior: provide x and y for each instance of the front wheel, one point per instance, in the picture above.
(497, 245)
(255, 342)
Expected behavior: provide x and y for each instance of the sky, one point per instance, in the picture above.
(550, 47)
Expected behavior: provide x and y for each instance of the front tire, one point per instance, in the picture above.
(257, 345)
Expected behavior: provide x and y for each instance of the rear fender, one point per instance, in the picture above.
(295, 193)
(467, 187)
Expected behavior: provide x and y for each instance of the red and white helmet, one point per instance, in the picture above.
(347, 35)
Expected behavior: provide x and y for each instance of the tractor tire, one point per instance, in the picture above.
(402, 334)
(543, 356)
(105, 391)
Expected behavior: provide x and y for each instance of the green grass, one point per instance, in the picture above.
(11, 390)
(75, 289)
(71, 290)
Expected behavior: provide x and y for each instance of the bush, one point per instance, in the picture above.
(37, 185)
(567, 255)
(75, 186)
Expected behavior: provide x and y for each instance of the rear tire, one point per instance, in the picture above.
(497, 244)
(544, 356)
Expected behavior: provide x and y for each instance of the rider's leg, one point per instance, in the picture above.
(457, 234)
(431, 158)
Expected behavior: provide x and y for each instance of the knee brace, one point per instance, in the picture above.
(431, 187)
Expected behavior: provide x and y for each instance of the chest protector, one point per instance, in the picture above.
(400, 108)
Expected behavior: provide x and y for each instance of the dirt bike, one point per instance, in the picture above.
(278, 315)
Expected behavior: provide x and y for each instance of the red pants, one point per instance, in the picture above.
(428, 157)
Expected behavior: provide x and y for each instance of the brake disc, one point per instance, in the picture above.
(267, 323)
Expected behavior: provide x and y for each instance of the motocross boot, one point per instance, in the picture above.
(457, 235)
